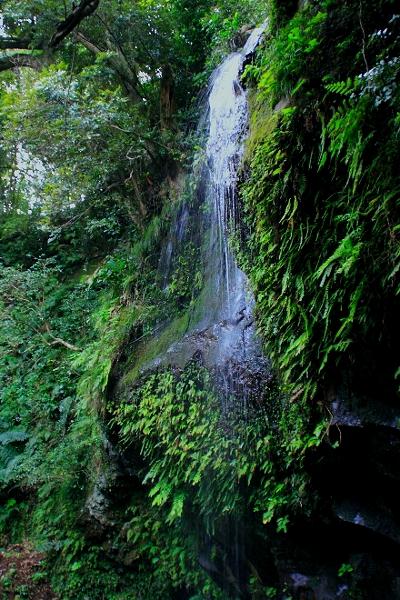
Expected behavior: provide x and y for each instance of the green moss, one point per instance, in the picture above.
(263, 121)
(155, 347)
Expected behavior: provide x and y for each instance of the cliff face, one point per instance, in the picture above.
(306, 504)
(323, 266)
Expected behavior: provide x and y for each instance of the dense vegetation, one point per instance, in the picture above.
(321, 204)
(129, 482)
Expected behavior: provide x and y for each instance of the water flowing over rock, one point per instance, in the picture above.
(220, 329)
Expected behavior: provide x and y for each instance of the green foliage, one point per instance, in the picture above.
(279, 71)
(166, 554)
(180, 424)
(323, 252)
(280, 11)
(50, 438)
(192, 467)
(185, 283)
(45, 436)
(87, 196)
(11, 515)
(81, 570)
(202, 461)
(223, 22)
(80, 174)
(345, 569)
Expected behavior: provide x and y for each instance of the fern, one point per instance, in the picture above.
(342, 88)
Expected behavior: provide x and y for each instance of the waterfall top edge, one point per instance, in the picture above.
(254, 39)
(249, 47)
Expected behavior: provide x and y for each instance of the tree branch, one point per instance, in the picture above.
(360, 17)
(80, 12)
(64, 28)
(60, 342)
(119, 64)
(18, 60)
(87, 43)
(7, 43)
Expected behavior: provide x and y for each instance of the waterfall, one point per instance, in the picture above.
(228, 119)
(220, 326)
(228, 314)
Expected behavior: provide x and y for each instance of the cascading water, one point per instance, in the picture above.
(221, 326)
(227, 125)
(226, 283)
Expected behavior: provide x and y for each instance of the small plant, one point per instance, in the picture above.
(345, 569)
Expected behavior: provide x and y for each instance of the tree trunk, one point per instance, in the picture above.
(166, 97)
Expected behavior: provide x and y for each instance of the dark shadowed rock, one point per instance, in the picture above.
(240, 38)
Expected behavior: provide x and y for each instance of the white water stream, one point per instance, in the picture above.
(221, 330)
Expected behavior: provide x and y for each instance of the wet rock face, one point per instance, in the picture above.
(324, 561)
(351, 547)
(97, 516)
(353, 411)
(110, 490)
(240, 38)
